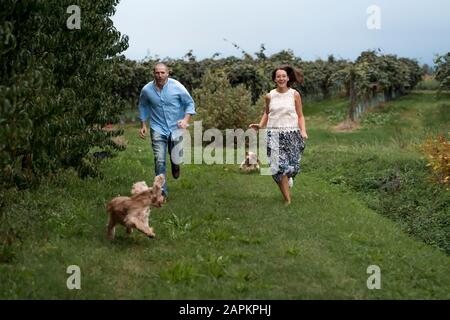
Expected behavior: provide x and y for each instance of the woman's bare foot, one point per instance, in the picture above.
(284, 188)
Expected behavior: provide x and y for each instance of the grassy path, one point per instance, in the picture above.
(222, 235)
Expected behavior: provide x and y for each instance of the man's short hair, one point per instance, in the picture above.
(160, 64)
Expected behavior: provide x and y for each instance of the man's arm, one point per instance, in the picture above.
(143, 113)
(189, 107)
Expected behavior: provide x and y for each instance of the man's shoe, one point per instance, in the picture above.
(175, 171)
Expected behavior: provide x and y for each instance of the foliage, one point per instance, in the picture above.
(438, 153)
(133, 76)
(428, 83)
(252, 71)
(393, 186)
(443, 71)
(373, 73)
(56, 87)
(427, 70)
(187, 70)
(319, 76)
(222, 106)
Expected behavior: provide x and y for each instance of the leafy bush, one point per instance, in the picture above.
(428, 83)
(222, 106)
(133, 77)
(443, 71)
(373, 119)
(56, 87)
(438, 152)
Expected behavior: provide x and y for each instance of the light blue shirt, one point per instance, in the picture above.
(164, 108)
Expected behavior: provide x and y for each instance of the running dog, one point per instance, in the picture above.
(133, 212)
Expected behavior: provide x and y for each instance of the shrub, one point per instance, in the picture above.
(438, 152)
(443, 71)
(221, 106)
(56, 87)
(428, 83)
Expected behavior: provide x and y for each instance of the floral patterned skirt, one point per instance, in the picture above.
(284, 152)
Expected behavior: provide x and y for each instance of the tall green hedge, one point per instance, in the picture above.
(443, 71)
(55, 86)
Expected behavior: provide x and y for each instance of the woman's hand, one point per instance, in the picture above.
(254, 126)
(304, 135)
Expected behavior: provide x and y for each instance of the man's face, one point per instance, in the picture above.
(161, 75)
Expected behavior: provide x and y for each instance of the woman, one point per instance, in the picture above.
(286, 129)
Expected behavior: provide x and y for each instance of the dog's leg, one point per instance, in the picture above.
(111, 228)
(146, 216)
(145, 229)
(129, 230)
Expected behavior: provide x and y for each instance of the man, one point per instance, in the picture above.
(168, 105)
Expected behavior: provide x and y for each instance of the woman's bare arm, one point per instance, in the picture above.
(301, 118)
(265, 117)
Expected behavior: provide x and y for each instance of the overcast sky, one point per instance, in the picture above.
(311, 28)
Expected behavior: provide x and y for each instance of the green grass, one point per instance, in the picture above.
(224, 235)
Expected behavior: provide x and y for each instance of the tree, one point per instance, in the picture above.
(56, 87)
(372, 74)
(221, 106)
(443, 71)
(133, 77)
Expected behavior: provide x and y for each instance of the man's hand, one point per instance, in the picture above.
(182, 124)
(143, 132)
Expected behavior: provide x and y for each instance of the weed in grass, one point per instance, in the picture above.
(219, 236)
(214, 266)
(293, 251)
(180, 271)
(335, 116)
(178, 226)
(251, 240)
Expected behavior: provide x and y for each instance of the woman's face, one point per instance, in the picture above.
(281, 78)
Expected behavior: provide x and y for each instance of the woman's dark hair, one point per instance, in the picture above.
(294, 75)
